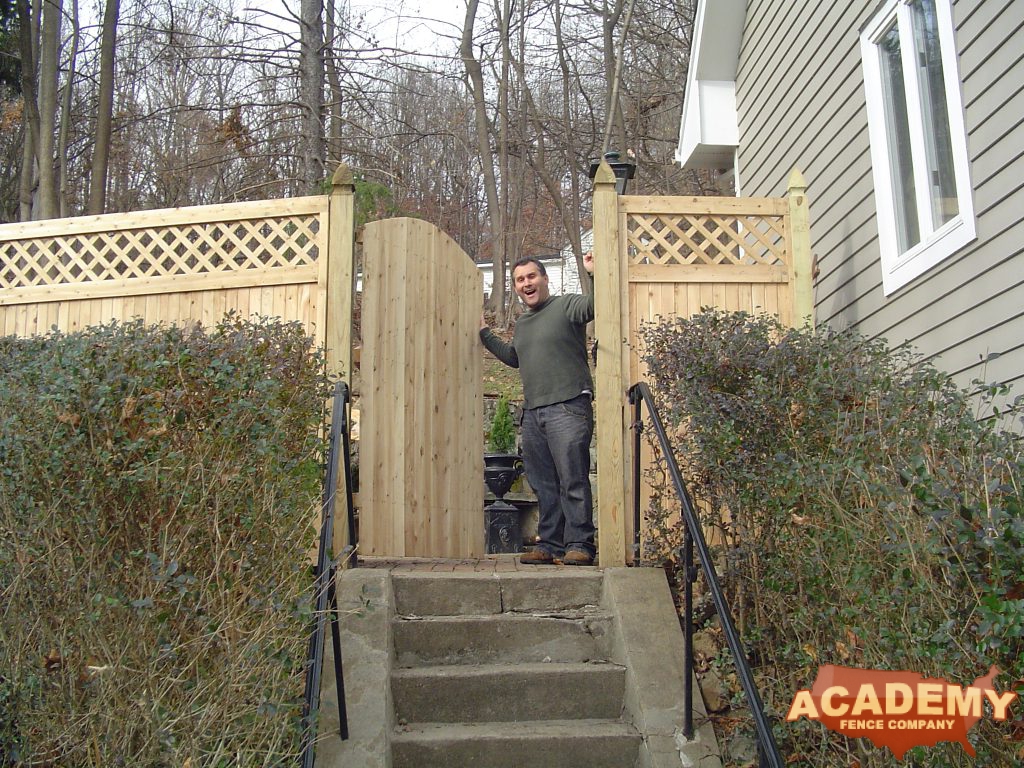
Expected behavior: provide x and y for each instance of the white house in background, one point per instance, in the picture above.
(905, 117)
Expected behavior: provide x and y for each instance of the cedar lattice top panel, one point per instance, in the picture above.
(706, 239)
(187, 249)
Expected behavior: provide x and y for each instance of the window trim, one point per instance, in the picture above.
(898, 269)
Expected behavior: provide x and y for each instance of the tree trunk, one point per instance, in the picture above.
(503, 13)
(570, 214)
(105, 111)
(49, 67)
(28, 31)
(64, 198)
(615, 122)
(483, 141)
(311, 94)
(334, 145)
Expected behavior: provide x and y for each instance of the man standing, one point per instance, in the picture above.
(549, 349)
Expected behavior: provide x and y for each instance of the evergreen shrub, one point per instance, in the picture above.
(159, 493)
(860, 514)
(501, 437)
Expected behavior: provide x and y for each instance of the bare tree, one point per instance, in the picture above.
(184, 102)
(311, 93)
(104, 110)
(483, 139)
(28, 37)
(46, 206)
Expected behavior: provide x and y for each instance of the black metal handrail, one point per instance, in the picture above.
(326, 598)
(693, 534)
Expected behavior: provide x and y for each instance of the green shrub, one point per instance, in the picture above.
(861, 515)
(158, 500)
(501, 437)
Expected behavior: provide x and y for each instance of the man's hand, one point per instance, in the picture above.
(483, 322)
(588, 262)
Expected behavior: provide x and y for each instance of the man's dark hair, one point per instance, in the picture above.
(523, 260)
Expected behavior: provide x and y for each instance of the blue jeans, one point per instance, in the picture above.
(556, 452)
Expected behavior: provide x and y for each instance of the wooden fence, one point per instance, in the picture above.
(421, 453)
(421, 456)
(421, 467)
(669, 257)
(277, 258)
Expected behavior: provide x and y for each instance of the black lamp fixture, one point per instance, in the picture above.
(624, 170)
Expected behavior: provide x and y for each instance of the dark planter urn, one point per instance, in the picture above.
(501, 470)
(501, 519)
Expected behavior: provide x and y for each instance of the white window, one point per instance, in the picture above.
(918, 141)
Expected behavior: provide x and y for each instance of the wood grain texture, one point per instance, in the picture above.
(421, 451)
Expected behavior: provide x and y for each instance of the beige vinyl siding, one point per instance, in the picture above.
(801, 103)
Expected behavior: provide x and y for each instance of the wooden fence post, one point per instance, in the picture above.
(336, 297)
(337, 287)
(612, 362)
(801, 265)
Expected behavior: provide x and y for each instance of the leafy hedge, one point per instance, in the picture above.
(862, 515)
(158, 495)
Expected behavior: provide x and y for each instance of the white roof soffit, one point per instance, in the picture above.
(709, 129)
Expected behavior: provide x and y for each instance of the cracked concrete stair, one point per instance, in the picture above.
(564, 743)
(507, 692)
(552, 667)
(506, 671)
(488, 639)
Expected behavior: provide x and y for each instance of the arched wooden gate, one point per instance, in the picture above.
(669, 257)
(421, 461)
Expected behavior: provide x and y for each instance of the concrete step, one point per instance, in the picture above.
(552, 744)
(503, 638)
(460, 594)
(508, 692)
(644, 637)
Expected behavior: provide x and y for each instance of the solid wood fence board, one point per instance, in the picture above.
(698, 273)
(160, 218)
(421, 457)
(703, 206)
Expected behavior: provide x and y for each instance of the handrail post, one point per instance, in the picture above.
(324, 591)
(638, 428)
(690, 576)
(339, 672)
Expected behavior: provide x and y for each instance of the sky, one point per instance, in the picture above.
(416, 25)
(420, 26)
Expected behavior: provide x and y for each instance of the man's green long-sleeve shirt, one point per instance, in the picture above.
(549, 348)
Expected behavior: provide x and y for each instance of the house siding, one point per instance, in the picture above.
(801, 103)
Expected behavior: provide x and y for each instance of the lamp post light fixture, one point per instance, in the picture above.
(624, 170)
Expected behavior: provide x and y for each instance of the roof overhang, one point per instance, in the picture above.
(709, 129)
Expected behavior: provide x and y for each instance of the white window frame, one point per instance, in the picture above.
(936, 244)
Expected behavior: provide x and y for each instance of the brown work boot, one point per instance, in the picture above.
(537, 556)
(576, 557)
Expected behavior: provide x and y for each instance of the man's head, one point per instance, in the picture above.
(530, 281)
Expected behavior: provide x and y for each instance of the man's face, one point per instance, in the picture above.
(530, 284)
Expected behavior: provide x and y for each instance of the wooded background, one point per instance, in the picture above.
(120, 105)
